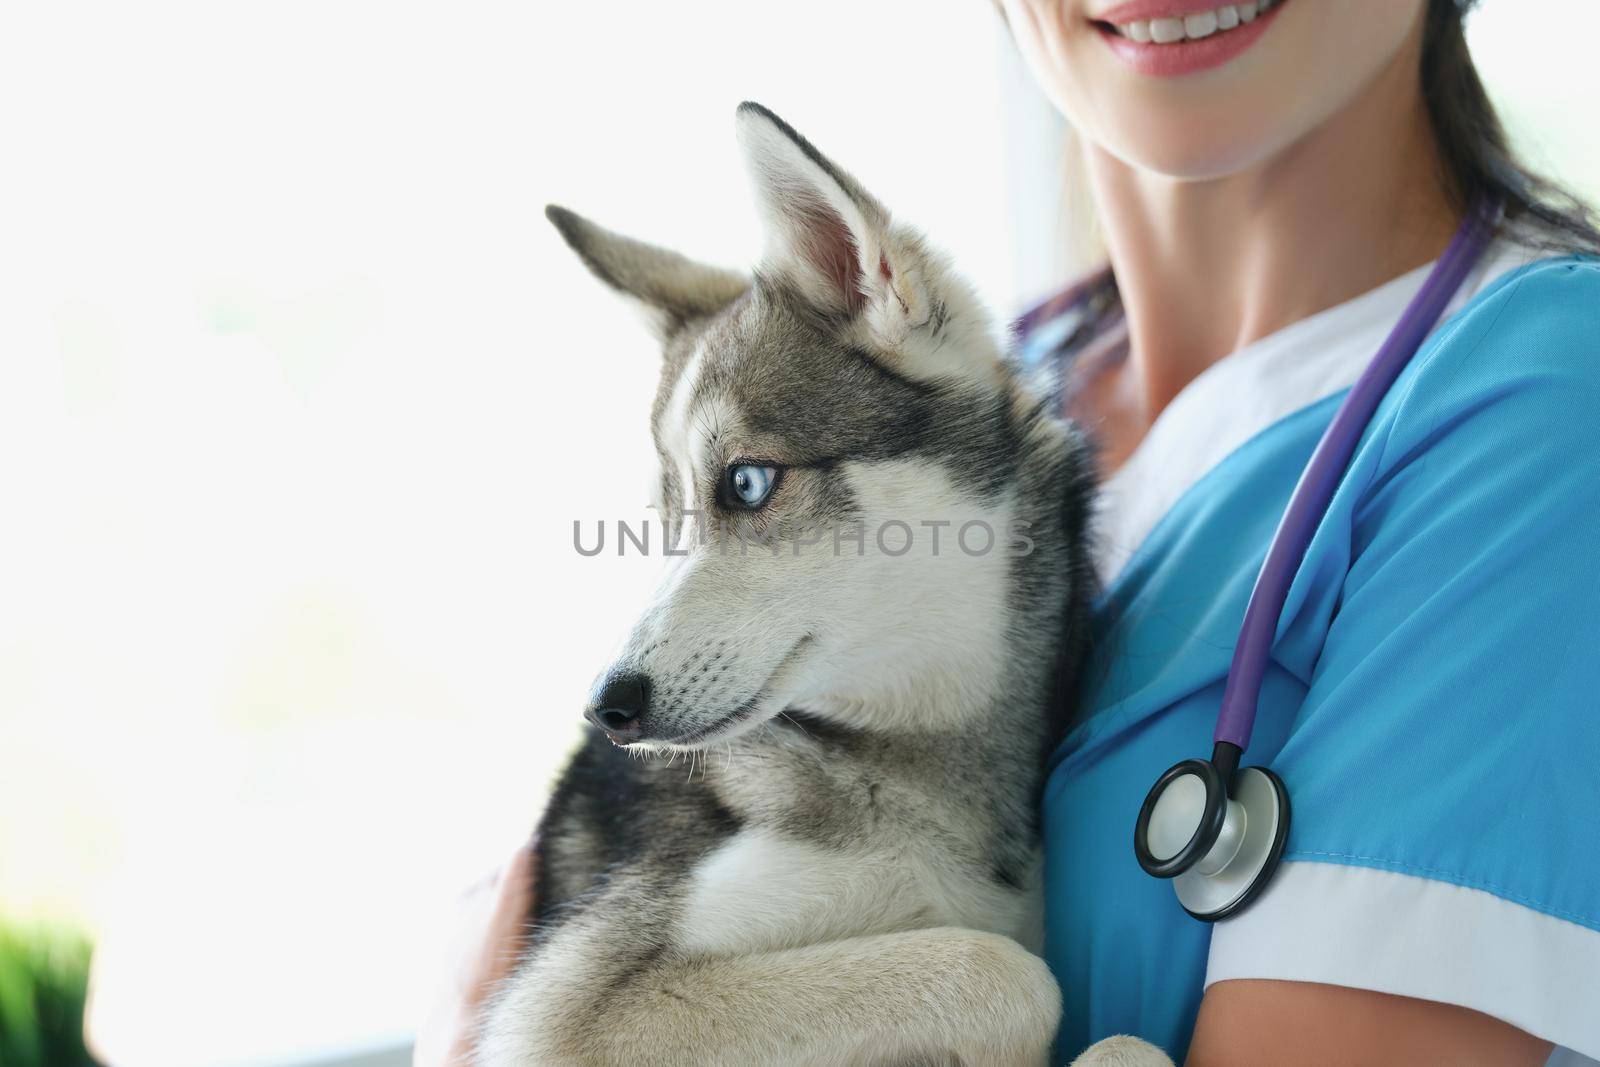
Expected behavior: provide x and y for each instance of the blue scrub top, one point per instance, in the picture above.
(1433, 699)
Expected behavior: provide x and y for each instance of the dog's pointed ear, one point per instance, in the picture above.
(828, 238)
(824, 232)
(668, 288)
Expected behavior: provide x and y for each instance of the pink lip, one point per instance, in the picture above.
(1189, 57)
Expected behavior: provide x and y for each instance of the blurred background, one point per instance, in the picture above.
(300, 397)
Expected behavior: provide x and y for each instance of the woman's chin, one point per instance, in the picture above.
(1183, 150)
(1202, 137)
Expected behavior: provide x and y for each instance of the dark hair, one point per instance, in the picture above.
(1473, 147)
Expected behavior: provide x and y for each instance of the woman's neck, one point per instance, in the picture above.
(1207, 266)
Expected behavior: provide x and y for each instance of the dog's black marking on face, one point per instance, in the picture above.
(814, 400)
(876, 366)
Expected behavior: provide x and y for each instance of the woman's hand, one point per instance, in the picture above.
(488, 943)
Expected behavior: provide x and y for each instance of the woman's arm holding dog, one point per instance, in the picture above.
(1249, 1022)
(487, 945)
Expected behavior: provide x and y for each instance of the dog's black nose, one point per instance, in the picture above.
(619, 707)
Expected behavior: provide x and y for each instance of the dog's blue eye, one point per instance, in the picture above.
(750, 484)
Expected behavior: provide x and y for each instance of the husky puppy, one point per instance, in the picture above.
(844, 868)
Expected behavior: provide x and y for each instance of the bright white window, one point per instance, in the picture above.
(300, 395)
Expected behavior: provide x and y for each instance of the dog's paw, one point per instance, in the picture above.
(1122, 1051)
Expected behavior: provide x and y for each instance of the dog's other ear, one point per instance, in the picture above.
(831, 240)
(668, 288)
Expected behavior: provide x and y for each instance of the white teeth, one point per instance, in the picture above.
(1194, 27)
(1166, 31)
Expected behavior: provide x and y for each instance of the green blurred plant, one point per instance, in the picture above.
(44, 984)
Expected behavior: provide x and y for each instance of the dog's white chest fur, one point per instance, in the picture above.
(762, 890)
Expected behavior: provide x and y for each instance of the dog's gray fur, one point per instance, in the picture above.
(844, 868)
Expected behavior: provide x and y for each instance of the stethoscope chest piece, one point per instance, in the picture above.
(1219, 846)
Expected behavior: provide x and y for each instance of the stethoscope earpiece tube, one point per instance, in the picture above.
(1218, 830)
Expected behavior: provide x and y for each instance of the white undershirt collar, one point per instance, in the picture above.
(1243, 393)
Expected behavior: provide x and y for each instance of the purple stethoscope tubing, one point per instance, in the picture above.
(1216, 829)
(1314, 491)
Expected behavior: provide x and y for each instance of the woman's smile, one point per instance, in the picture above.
(1167, 38)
